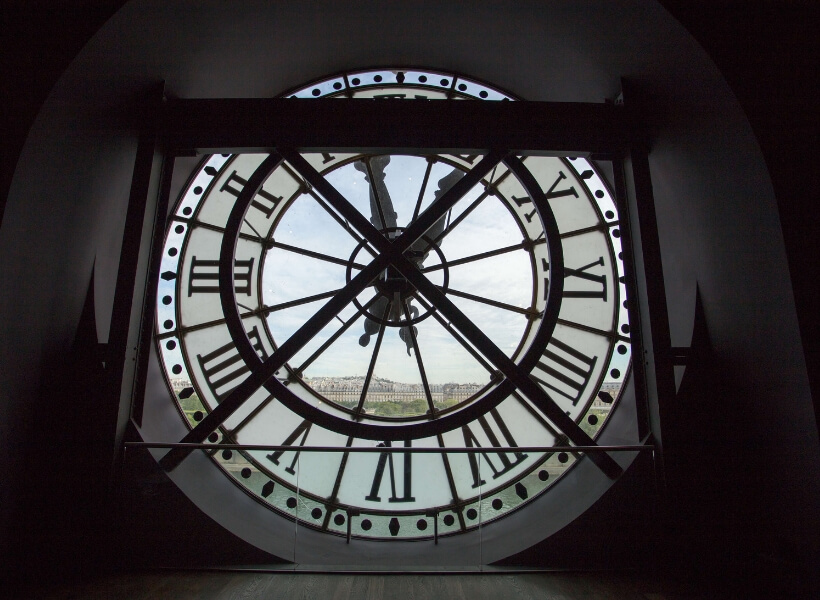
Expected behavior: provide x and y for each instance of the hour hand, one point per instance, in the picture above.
(382, 214)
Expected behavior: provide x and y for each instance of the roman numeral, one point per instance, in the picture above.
(580, 273)
(203, 277)
(224, 369)
(302, 430)
(567, 370)
(551, 194)
(263, 201)
(471, 441)
(386, 458)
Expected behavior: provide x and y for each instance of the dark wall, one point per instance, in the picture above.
(766, 52)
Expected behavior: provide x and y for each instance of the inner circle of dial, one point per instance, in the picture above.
(400, 286)
(262, 371)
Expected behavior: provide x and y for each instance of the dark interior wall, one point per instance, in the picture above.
(717, 209)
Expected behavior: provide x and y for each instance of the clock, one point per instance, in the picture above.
(423, 302)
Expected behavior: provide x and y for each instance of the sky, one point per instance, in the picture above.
(506, 278)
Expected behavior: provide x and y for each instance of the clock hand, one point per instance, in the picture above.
(404, 332)
(382, 213)
(371, 326)
(421, 247)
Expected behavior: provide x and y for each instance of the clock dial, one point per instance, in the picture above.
(383, 301)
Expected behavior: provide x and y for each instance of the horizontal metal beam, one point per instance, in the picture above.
(383, 125)
(380, 449)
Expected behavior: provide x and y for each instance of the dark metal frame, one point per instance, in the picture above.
(597, 130)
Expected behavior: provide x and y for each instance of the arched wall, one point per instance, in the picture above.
(717, 214)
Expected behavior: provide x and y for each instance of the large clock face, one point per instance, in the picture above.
(394, 300)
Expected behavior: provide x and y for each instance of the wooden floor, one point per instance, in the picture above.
(209, 585)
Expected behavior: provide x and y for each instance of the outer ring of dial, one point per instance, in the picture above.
(395, 432)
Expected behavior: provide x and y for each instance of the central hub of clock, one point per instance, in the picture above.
(394, 288)
(392, 282)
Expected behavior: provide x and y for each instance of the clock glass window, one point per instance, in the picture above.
(412, 301)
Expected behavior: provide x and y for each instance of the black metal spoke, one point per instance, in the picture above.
(193, 223)
(611, 335)
(445, 458)
(490, 189)
(536, 414)
(456, 335)
(423, 188)
(452, 225)
(373, 359)
(337, 483)
(338, 202)
(291, 303)
(316, 255)
(529, 312)
(252, 228)
(583, 230)
(345, 326)
(249, 417)
(419, 362)
(251, 313)
(345, 225)
(527, 245)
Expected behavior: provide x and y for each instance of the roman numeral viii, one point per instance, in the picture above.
(566, 370)
(224, 369)
(504, 460)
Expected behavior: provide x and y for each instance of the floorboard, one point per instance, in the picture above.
(224, 585)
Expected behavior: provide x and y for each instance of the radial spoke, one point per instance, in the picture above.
(338, 482)
(291, 303)
(244, 236)
(489, 190)
(612, 335)
(419, 362)
(457, 336)
(251, 313)
(373, 359)
(489, 254)
(582, 231)
(316, 255)
(338, 202)
(249, 417)
(345, 326)
(345, 225)
(450, 226)
(423, 189)
(529, 312)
